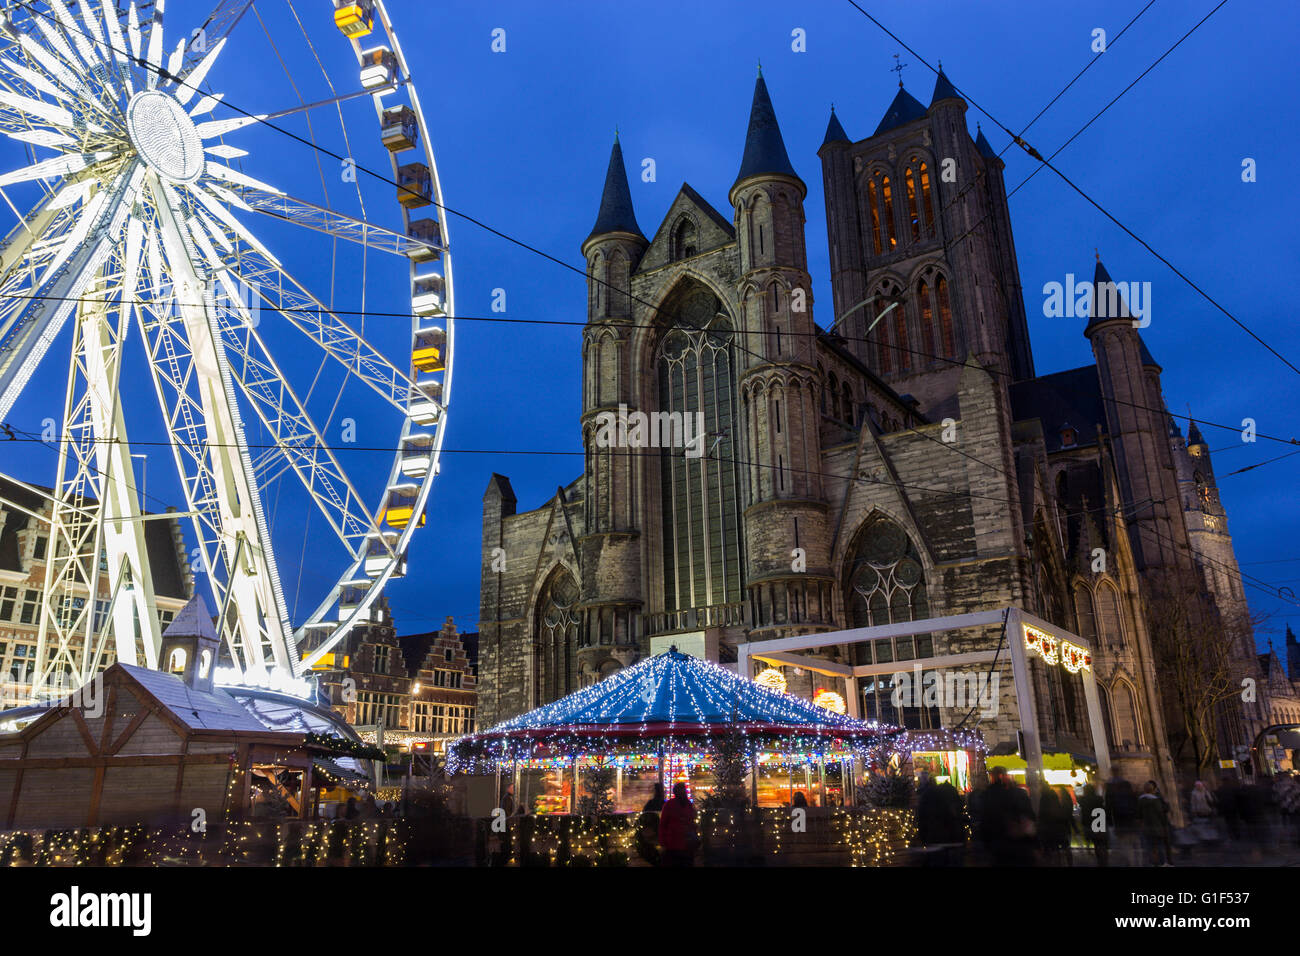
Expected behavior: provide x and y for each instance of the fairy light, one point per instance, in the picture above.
(772, 679)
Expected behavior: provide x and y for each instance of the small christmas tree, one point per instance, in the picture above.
(729, 771)
(595, 800)
(889, 789)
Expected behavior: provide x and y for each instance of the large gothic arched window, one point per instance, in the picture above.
(700, 484)
(557, 638)
(885, 584)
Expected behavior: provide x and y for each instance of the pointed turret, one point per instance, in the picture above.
(984, 146)
(1107, 302)
(1194, 436)
(902, 111)
(764, 147)
(943, 89)
(616, 212)
(834, 131)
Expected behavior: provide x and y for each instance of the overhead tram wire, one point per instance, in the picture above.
(578, 324)
(655, 308)
(1032, 152)
(656, 452)
(1017, 139)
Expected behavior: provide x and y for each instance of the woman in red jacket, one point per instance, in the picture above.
(678, 834)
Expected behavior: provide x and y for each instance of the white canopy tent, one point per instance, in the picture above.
(1022, 630)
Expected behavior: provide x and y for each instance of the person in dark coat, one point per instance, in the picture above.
(799, 799)
(647, 828)
(940, 818)
(1095, 827)
(1229, 800)
(1121, 815)
(678, 834)
(1153, 820)
(1053, 825)
(655, 803)
(1007, 824)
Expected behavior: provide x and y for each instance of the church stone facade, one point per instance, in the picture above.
(897, 459)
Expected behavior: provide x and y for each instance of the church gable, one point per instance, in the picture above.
(691, 227)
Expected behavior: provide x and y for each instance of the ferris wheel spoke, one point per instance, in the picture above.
(338, 225)
(80, 39)
(220, 23)
(80, 255)
(153, 53)
(295, 435)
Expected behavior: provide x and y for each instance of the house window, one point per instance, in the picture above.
(40, 548)
(31, 602)
(381, 659)
(8, 601)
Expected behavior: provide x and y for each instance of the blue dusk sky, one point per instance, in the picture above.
(522, 140)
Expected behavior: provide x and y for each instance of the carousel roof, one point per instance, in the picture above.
(678, 693)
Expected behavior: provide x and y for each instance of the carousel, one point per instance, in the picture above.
(666, 720)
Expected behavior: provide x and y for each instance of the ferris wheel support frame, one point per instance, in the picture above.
(254, 580)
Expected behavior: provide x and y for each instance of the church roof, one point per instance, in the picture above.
(943, 89)
(764, 146)
(902, 111)
(834, 131)
(1071, 398)
(616, 213)
(982, 144)
(1194, 436)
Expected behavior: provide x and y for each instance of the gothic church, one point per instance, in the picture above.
(904, 447)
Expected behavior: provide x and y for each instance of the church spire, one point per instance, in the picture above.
(834, 131)
(943, 88)
(764, 147)
(616, 212)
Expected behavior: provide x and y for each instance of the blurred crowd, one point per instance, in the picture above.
(1116, 823)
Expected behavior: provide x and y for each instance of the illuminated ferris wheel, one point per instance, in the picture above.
(154, 232)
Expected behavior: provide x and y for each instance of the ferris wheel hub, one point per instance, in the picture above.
(165, 136)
